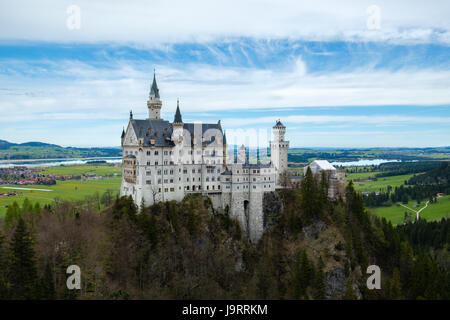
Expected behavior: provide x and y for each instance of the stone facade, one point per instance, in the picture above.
(336, 177)
(165, 161)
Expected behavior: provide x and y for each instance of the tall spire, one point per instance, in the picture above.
(154, 102)
(178, 114)
(131, 114)
(224, 140)
(154, 88)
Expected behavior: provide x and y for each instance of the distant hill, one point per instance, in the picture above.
(41, 150)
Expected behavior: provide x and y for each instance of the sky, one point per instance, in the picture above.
(336, 73)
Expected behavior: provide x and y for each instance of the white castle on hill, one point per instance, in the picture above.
(165, 160)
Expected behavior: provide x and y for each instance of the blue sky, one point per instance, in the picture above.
(333, 80)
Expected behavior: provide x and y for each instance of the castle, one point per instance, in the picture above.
(165, 160)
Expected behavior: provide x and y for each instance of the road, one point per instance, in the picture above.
(418, 211)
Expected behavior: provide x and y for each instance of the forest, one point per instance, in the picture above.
(314, 249)
(420, 187)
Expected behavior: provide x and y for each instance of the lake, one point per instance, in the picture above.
(362, 162)
(30, 163)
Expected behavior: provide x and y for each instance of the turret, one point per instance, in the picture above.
(154, 103)
(225, 148)
(242, 156)
(177, 134)
(278, 149)
(123, 136)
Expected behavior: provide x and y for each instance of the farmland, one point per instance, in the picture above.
(434, 211)
(65, 190)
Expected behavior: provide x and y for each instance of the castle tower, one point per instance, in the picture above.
(177, 135)
(225, 147)
(242, 156)
(154, 103)
(278, 149)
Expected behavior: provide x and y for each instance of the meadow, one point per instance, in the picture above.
(64, 190)
(380, 184)
(100, 169)
(434, 211)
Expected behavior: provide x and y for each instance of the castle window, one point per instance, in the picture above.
(193, 170)
(159, 181)
(165, 171)
(149, 153)
(218, 187)
(159, 172)
(148, 163)
(156, 152)
(166, 189)
(254, 187)
(149, 181)
(149, 173)
(165, 153)
(171, 171)
(156, 163)
(171, 180)
(165, 162)
(166, 181)
(172, 189)
(207, 187)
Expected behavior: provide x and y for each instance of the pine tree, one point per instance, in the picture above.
(12, 215)
(47, 286)
(309, 195)
(3, 268)
(395, 291)
(302, 275)
(349, 293)
(319, 281)
(24, 274)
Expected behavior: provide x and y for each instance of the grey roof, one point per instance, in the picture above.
(256, 165)
(178, 118)
(154, 88)
(227, 172)
(130, 156)
(278, 124)
(161, 131)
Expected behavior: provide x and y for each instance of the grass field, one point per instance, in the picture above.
(100, 169)
(434, 211)
(381, 183)
(65, 190)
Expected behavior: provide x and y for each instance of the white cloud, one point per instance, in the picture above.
(73, 89)
(152, 23)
